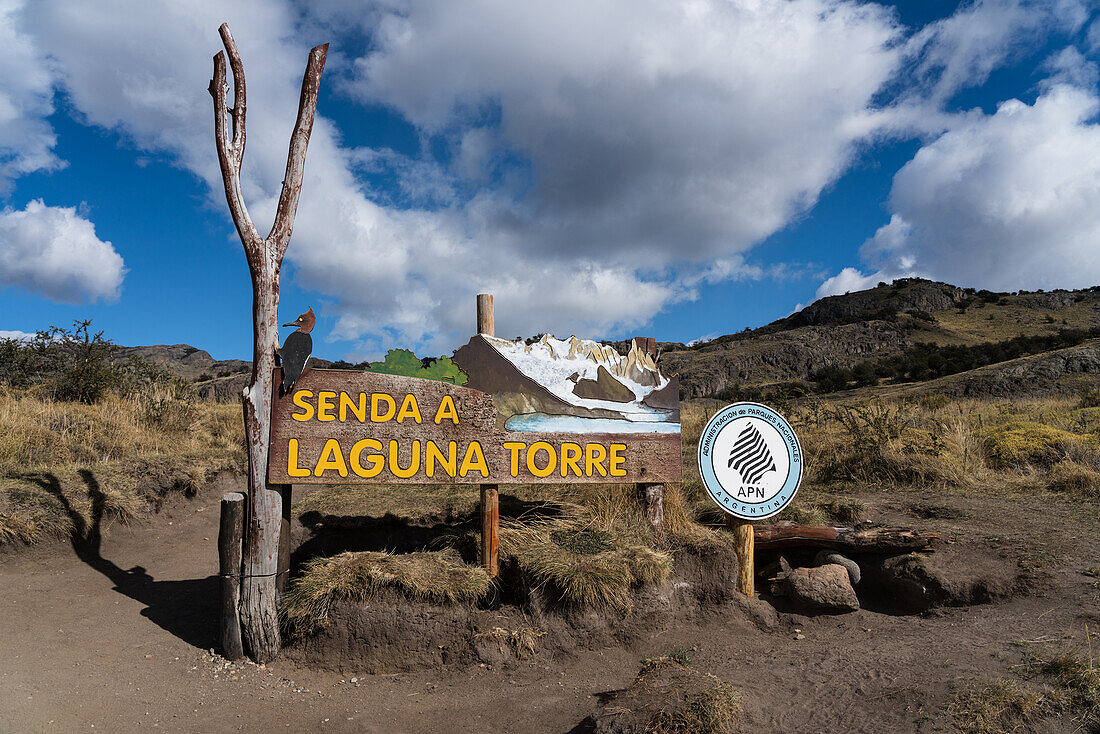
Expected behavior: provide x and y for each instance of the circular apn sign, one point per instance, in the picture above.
(750, 460)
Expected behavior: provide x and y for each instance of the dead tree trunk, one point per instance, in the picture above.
(263, 513)
(846, 540)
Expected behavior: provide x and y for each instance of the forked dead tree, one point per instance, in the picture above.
(264, 510)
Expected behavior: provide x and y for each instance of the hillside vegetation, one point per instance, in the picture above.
(909, 330)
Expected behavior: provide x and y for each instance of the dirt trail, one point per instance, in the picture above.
(120, 642)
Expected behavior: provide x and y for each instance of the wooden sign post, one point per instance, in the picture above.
(651, 496)
(229, 569)
(267, 502)
(744, 538)
(490, 501)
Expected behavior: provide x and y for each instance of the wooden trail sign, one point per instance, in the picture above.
(548, 412)
(354, 427)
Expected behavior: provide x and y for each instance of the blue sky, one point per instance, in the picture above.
(606, 169)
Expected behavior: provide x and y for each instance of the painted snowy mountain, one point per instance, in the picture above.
(572, 385)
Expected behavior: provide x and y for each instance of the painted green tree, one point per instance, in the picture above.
(403, 362)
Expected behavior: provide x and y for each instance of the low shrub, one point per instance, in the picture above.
(1078, 679)
(76, 365)
(1018, 444)
(878, 443)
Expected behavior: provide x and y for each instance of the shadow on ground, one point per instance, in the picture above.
(186, 609)
(330, 534)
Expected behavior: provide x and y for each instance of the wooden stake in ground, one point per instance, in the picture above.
(746, 565)
(264, 512)
(229, 568)
(490, 527)
(490, 501)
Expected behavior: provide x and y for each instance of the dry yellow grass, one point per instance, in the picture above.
(524, 641)
(582, 566)
(714, 711)
(996, 708)
(63, 464)
(37, 434)
(1072, 692)
(997, 322)
(428, 576)
(967, 444)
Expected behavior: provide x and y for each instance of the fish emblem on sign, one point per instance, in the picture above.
(750, 456)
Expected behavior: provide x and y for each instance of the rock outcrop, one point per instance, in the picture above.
(186, 361)
(825, 589)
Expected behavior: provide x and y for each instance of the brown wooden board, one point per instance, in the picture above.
(318, 437)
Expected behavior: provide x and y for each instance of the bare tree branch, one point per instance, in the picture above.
(240, 91)
(231, 151)
(296, 160)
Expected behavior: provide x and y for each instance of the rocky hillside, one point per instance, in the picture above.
(875, 324)
(1068, 370)
(187, 362)
(214, 379)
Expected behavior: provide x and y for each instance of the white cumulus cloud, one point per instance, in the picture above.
(26, 100)
(54, 251)
(846, 281)
(1003, 201)
(640, 133)
(961, 50)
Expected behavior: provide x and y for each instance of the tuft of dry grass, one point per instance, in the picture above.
(596, 575)
(1075, 479)
(1077, 679)
(616, 508)
(1006, 706)
(524, 641)
(668, 696)
(439, 577)
(997, 708)
(810, 509)
(715, 711)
